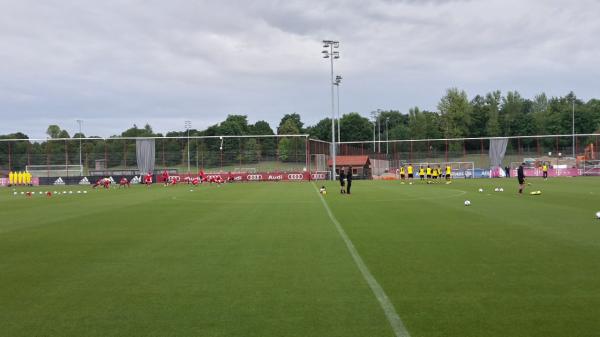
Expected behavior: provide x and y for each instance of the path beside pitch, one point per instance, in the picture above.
(385, 303)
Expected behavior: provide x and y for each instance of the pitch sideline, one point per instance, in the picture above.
(385, 303)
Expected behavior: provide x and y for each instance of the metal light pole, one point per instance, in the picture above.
(573, 129)
(329, 53)
(338, 80)
(374, 115)
(379, 130)
(188, 126)
(387, 137)
(80, 122)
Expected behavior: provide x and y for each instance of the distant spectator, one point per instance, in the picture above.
(349, 179)
(342, 182)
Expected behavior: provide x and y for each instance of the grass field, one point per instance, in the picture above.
(266, 259)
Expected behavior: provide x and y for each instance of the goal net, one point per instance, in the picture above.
(460, 169)
(55, 170)
(591, 168)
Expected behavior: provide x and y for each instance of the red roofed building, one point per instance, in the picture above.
(361, 165)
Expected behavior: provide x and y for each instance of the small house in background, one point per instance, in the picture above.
(361, 165)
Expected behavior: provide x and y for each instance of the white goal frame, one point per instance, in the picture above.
(55, 170)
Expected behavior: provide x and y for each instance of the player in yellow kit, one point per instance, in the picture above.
(10, 178)
(402, 173)
(422, 173)
(448, 172)
(409, 170)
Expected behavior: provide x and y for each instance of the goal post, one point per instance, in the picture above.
(460, 169)
(54, 170)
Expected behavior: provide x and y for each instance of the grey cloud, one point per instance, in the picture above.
(115, 63)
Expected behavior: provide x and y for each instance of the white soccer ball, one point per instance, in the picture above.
(496, 189)
(84, 192)
(15, 193)
(467, 203)
(481, 190)
(597, 215)
(70, 192)
(78, 192)
(501, 189)
(64, 192)
(22, 193)
(40, 192)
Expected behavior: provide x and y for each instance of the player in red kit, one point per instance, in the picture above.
(98, 182)
(106, 183)
(195, 181)
(124, 182)
(148, 179)
(165, 177)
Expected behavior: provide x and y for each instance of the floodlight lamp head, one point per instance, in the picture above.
(336, 44)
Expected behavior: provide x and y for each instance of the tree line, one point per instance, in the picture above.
(489, 115)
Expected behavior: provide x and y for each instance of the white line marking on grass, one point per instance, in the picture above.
(384, 301)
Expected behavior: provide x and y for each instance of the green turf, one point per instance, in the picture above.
(264, 259)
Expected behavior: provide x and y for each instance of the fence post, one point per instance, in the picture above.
(67, 157)
(48, 158)
(9, 157)
(105, 157)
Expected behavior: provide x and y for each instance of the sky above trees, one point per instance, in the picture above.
(115, 63)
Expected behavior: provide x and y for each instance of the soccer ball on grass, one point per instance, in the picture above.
(467, 203)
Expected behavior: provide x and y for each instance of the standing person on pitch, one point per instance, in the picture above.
(342, 181)
(521, 178)
(545, 170)
(409, 170)
(349, 179)
(165, 176)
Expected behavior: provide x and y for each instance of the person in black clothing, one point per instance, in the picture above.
(342, 177)
(507, 172)
(521, 178)
(349, 179)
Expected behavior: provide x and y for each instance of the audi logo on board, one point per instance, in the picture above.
(295, 176)
(254, 177)
(317, 176)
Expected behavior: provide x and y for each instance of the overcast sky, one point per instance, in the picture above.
(116, 63)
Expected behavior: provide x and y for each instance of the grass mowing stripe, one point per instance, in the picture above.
(385, 303)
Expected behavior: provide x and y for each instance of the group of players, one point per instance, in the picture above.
(19, 178)
(427, 172)
(167, 180)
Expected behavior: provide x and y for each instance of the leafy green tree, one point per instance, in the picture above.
(354, 127)
(293, 119)
(321, 130)
(455, 110)
(492, 101)
(540, 111)
(53, 131)
(479, 116)
(266, 146)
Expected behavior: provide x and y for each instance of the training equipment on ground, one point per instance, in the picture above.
(467, 203)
